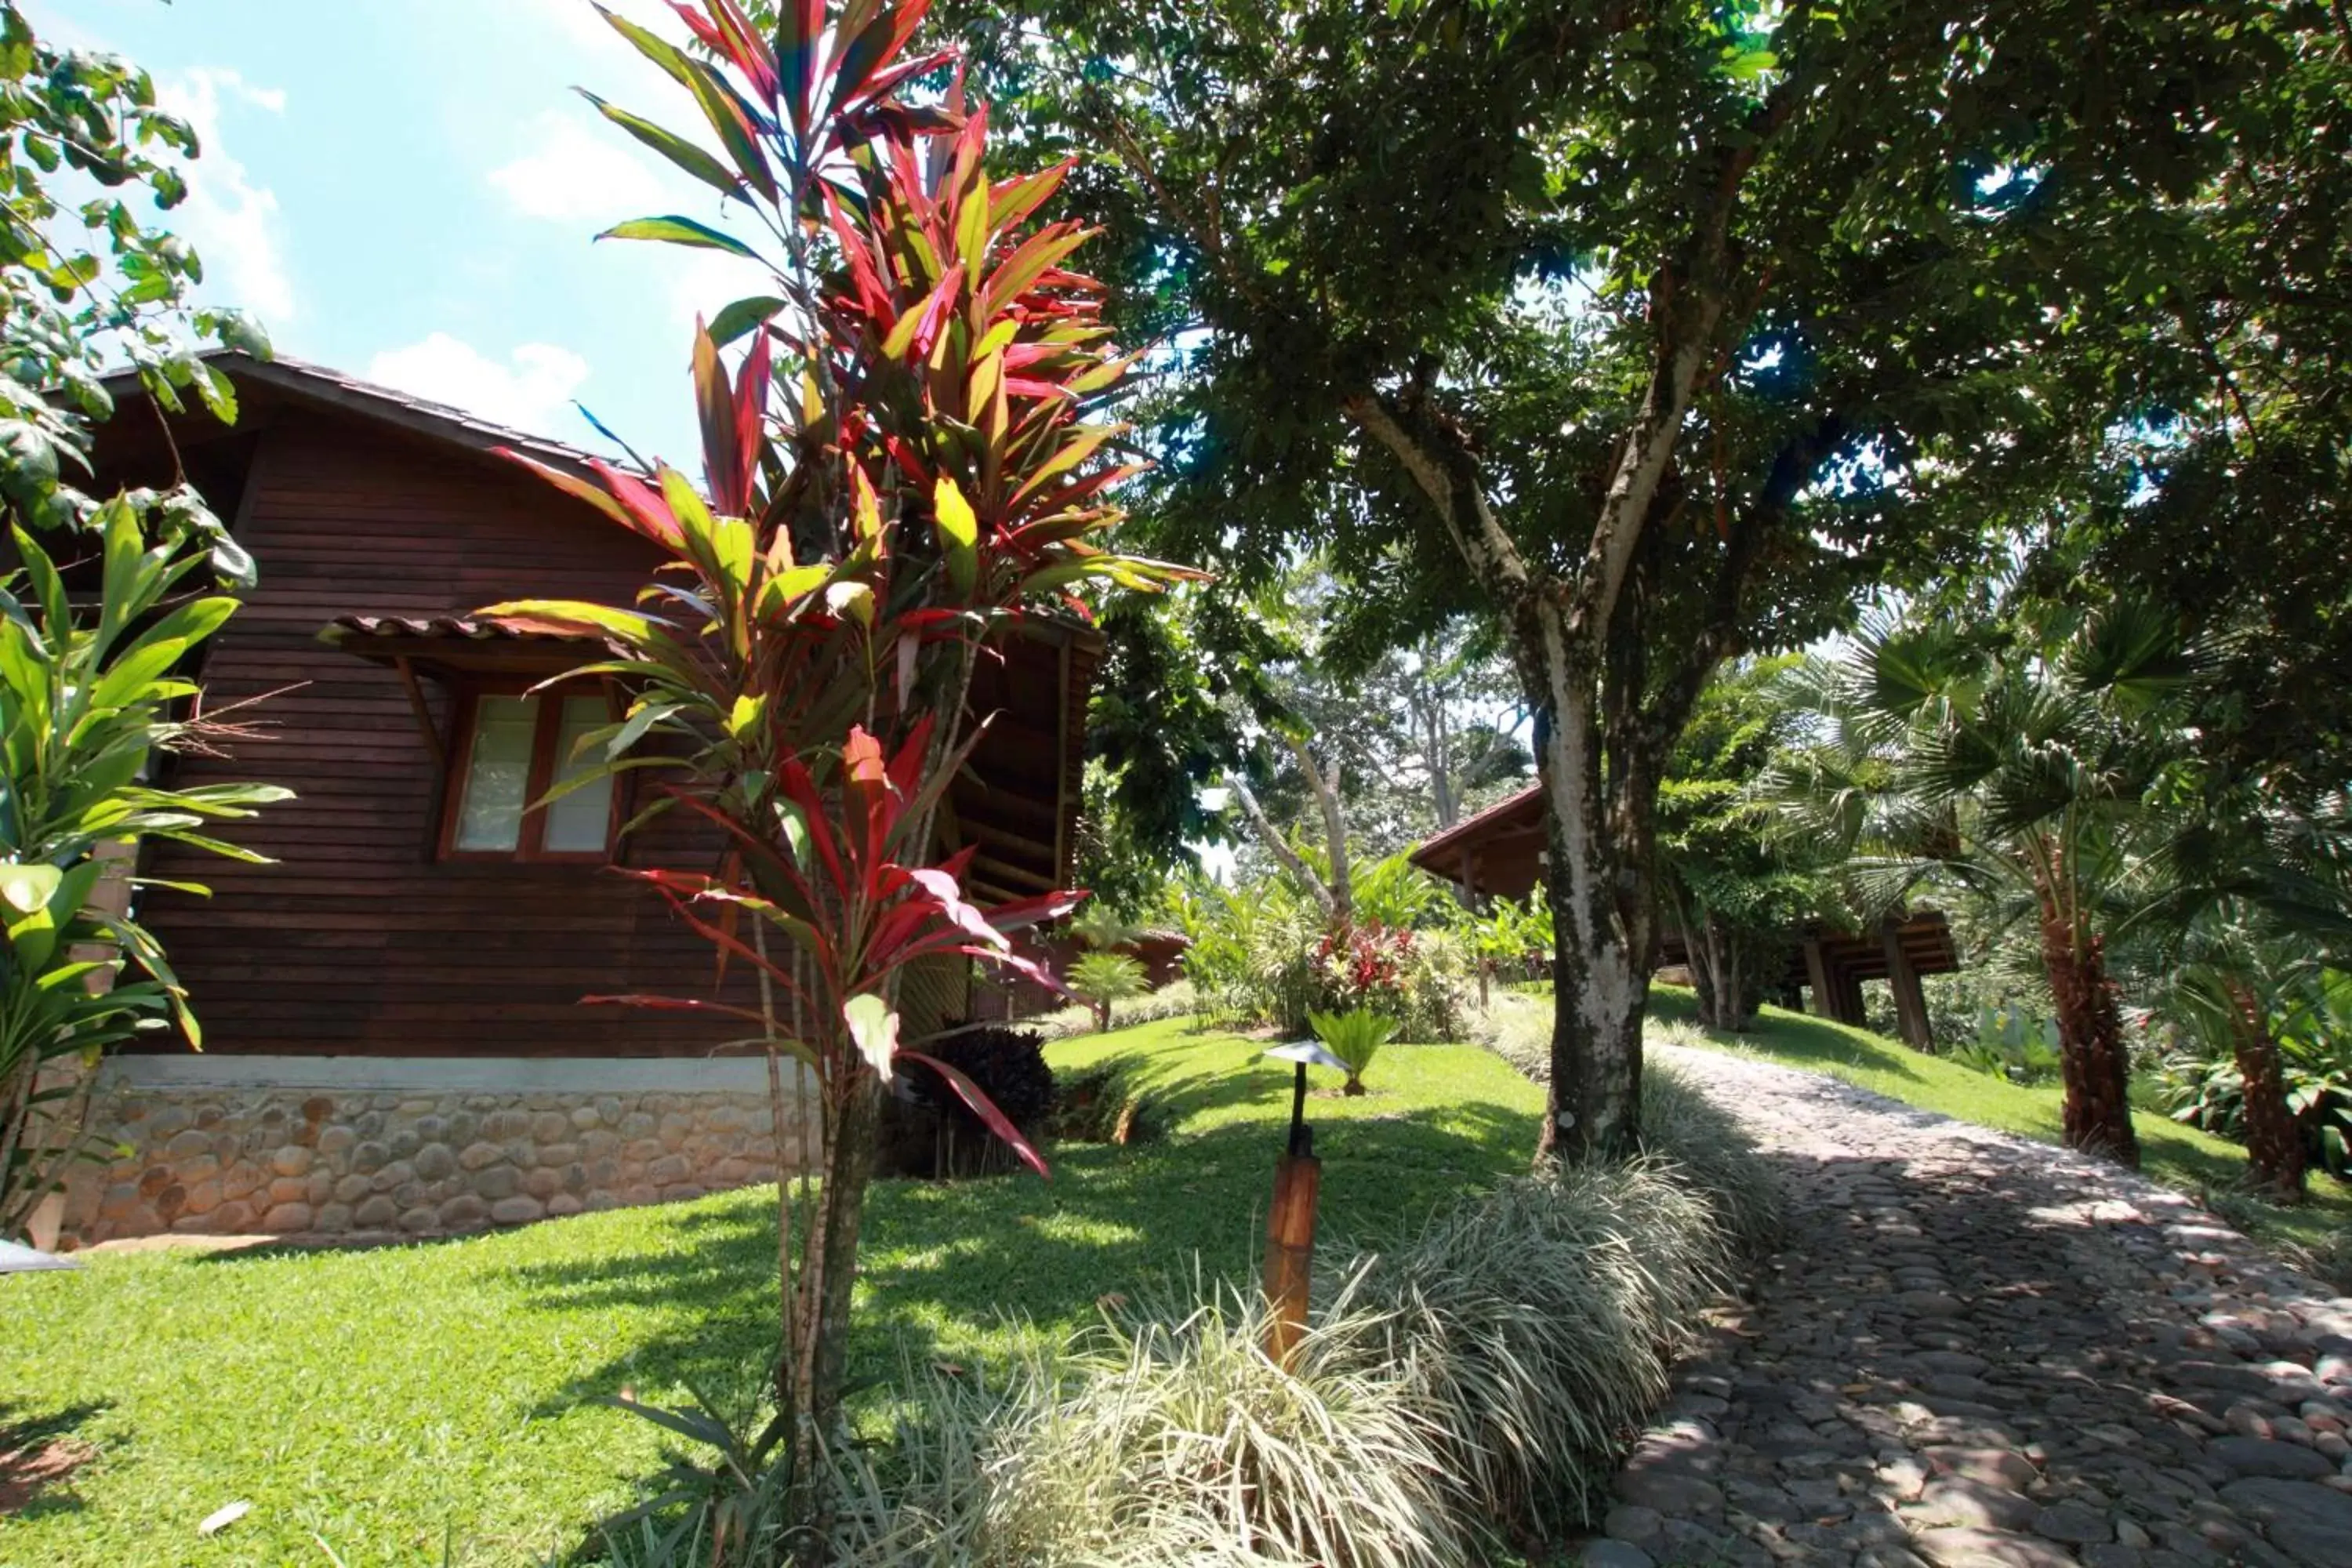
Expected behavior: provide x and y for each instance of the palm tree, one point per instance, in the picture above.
(2018, 762)
(2243, 906)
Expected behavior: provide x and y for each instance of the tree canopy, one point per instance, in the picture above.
(1649, 333)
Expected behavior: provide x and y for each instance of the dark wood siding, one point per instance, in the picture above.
(356, 940)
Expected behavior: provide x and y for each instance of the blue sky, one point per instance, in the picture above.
(406, 190)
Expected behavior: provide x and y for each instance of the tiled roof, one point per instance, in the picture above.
(480, 628)
(322, 383)
(1482, 822)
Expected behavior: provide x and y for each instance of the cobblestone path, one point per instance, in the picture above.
(1976, 1349)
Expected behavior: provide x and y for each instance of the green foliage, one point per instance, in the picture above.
(1101, 926)
(1355, 1037)
(85, 705)
(1734, 886)
(2201, 1086)
(2009, 1043)
(74, 311)
(1100, 979)
(1514, 938)
(735, 1511)
(1394, 893)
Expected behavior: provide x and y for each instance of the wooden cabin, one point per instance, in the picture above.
(1500, 852)
(392, 1004)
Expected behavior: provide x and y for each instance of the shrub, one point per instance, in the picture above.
(1099, 979)
(2010, 1043)
(2208, 1091)
(1173, 1439)
(931, 1132)
(1354, 1037)
(1539, 1324)
(1101, 1105)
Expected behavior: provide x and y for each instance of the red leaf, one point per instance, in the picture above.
(675, 1004)
(1021, 913)
(647, 512)
(985, 1109)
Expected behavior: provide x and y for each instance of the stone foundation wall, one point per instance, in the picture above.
(351, 1146)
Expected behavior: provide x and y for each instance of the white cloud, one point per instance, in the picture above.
(580, 24)
(232, 222)
(581, 170)
(531, 391)
(705, 282)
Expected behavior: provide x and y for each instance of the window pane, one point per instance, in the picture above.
(498, 773)
(577, 823)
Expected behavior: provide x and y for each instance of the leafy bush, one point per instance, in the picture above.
(86, 704)
(2012, 1044)
(1101, 1105)
(2199, 1081)
(2208, 1093)
(734, 1510)
(1099, 979)
(1396, 892)
(1539, 1324)
(1414, 977)
(1268, 956)
(934, 1132)
(1355, 1037)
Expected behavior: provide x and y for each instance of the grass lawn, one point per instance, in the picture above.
(383, 1402)
(2180, 1157)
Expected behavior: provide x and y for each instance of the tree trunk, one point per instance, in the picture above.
(2273, 1141)
(829, 1275)
(2092, 1060)
(1600, 978)
(1725, 973)
(1335, 829)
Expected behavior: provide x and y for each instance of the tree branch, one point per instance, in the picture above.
(1277, 846)
(1440, 463)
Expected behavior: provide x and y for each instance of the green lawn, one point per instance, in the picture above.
(381, 1401)
(2180, 1157)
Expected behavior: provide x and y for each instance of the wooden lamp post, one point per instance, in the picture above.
(1290, 1223)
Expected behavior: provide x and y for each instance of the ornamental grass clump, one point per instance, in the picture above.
(1175, 1439)
(1537, 1325)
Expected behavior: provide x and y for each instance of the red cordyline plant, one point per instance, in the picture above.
(900, 462)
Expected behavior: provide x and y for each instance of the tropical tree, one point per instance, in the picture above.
(92, 696)
(1734, 886)
(87, 290)
(898, 465)
(2244, 907)
(2020, 763)
(1102, 979)
(1646, 334)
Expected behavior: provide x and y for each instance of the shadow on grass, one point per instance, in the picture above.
(40, 1454)
(1793, 1037)
(945, 1266)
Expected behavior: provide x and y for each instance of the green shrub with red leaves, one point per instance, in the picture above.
(904, 458)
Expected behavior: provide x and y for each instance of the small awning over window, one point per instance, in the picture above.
(452, 647)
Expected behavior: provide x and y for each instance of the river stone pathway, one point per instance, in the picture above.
(1972, 1348)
